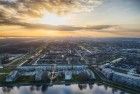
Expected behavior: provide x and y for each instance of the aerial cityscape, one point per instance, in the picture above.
(69, 46)
(92, 61)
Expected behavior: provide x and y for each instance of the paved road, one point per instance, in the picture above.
(34, 62)
(81, 56)
(85, 49)
(3, 73)
(15, 60)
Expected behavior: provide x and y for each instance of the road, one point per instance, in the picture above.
(22, 63)
(34, 62)
(33, 56)
(15, 60)
(81, 56)
(85, 49)
(97, 72)
(3, 73)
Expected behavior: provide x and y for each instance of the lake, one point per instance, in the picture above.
(62, 89)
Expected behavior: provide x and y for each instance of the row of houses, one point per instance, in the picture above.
(124, 78)
(38, 70)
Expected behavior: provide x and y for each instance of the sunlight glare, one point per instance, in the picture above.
(53, 19)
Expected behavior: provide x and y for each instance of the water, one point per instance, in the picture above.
(61, 89)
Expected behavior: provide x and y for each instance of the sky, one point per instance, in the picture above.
(76, 18)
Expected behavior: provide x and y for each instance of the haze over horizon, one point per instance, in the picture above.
(66, 18)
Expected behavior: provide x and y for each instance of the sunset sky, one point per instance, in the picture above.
(77, 18)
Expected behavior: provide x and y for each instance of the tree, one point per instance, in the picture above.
(138, 69)
(5, 59)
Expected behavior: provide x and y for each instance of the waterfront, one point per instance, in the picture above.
(69, 47)
(72, 62)
(62, 89)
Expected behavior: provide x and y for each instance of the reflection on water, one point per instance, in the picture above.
(61, 89)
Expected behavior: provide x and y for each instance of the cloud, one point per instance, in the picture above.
(63, 27)
(26, 29)
(22, 10)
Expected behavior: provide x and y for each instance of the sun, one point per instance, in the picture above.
(53, 19)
